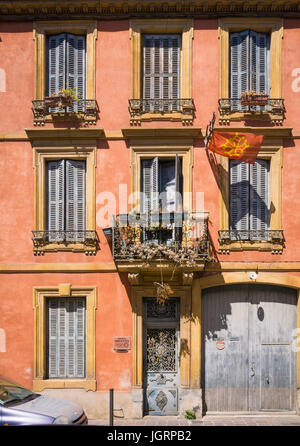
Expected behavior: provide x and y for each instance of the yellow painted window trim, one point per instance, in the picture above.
(40, 31)
(40, 294)
(274, 26)
(166, 150)
(274, 154)
(41, 156)
(185, 27)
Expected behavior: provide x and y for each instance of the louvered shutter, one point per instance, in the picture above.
(66, 337)
(76, 67)
(150, 185)
(75, 199)
(161, 59)
(56, 64)
(239, 67)
(239, 198)
(178, 182)
(55, 199)
(259, 66)
(259, 198)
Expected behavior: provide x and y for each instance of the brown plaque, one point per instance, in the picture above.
(122, 343)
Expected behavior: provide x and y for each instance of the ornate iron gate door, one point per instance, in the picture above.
(161, 356)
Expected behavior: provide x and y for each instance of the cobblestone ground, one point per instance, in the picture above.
(248, 420)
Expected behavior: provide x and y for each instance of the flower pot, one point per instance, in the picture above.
(254, 99)
(58, 101)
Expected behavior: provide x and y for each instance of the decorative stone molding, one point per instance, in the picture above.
(187, 278)
(134, 278)
(115, 9)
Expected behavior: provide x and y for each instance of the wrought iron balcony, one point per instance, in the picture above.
(233, 235)
(140, 107)
(175, 236)
(43, 239)
(274, 110)
(86, 110)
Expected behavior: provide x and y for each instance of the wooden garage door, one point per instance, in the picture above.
(247, 359)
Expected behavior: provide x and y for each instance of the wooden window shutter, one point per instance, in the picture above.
(239, 66)
(76, 67)
(56, 64)
(259, 56)
(150, 185)
(75, 199)
(239, 196)
(161, 60)
(259, 197)
(55, 198)
(66, 337)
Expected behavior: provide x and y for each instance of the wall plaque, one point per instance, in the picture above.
(122, 343)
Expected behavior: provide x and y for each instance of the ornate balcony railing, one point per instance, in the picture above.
(253, 235)
(86, 110)
(273, 110)
(43, 239)
(140, 107)
(153, 236)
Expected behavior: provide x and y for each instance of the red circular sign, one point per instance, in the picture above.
(220, 345)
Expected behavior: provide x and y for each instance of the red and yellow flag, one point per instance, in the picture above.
(237, 145)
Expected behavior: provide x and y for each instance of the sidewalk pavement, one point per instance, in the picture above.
(208, 420)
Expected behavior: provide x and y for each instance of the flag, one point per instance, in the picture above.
(236, 145)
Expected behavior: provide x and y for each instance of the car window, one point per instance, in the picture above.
(10, 393)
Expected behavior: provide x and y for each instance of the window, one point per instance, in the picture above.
(251, 59)
(161, 185)
(65, 55)
(249, 65)
(161, 54)
(66, 65)
(66, 200)
(161, 72)
(249, 200)
(66, 337)
(64, 186)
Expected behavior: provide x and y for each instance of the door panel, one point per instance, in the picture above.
(225, 319)
(247, 359)
(161, 357)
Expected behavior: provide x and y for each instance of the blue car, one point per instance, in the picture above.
(20, 406)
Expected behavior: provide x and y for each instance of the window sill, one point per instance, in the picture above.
(41, 114)
(86, 384)
(41, 244)
(275, 115)
(225, 247)
(183, 110)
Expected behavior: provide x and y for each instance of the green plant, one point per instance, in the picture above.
(72, 92)
(190, 415)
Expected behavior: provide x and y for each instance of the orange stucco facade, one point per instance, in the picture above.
(21, 272)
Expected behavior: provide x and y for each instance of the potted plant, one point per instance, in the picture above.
(253, 97)
(62, 98)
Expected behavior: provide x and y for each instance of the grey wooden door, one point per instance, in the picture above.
(247, 358)
(161, 357)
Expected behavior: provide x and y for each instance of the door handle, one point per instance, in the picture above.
(268, 380)
(252, 373)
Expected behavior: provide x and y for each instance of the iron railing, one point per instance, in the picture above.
(83, 109)
(181, 233)
(88, 238)
(234, 104)
(274, 236)
(140, 106)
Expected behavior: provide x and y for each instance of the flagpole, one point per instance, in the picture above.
(209, 130)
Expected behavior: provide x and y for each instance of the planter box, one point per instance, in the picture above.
(58, 101)
(254, 99)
